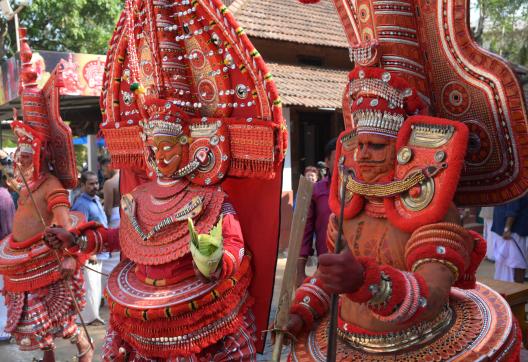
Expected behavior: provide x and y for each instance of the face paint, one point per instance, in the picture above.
(375, 156)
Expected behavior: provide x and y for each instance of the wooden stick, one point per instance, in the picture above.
(302, 204)
(332, 325)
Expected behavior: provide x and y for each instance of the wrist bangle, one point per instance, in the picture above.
(506, 229)
(81, 241)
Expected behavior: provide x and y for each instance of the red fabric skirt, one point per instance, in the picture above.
(36, 318)
(239, 346)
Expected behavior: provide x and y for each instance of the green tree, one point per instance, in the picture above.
(82, 26)
(502, 27)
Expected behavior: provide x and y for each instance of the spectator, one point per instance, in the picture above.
(111, 192)
(6, 167)
(89, 204)
(7, 208)
(318, 216)
(7, 213)
(311, 173)
(112, 198)
(510, 224)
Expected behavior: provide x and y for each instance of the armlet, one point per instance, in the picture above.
(448, 244)
(59, 197)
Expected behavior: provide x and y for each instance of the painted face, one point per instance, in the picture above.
(168, 151)
(375, 155)
(25, 160)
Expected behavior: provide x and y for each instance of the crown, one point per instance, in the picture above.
(165, 119)
(378, 122)
(379, 101)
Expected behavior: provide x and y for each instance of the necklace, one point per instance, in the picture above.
(190, 210)
(375, 208)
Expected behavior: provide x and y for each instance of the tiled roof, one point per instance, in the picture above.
(289, 20)
(309, 86)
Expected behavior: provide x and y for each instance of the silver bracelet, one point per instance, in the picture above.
(81, 241)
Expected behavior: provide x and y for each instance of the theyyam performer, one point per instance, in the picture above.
(42, 286)
(406, 275)
(192, 118)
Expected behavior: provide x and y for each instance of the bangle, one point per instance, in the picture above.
(383, 294)
(81, 241)
(506, 229)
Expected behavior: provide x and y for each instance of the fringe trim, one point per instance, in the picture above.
(195, 346)
(190, 311)
(252, 168)
(181, 323)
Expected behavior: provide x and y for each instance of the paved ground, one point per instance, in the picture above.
(65, 351)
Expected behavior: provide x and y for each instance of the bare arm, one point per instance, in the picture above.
(108, 194)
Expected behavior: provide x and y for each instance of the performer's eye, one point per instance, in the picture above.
(167, 148)
(377, 146)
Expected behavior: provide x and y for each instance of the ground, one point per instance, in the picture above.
(65, 350)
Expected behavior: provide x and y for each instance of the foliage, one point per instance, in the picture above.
(81, 156)
(502, 27)
(82, 26)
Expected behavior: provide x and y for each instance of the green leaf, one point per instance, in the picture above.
(192, 233)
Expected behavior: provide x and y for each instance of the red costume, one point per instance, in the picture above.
(189, 100)
(40, 306)
(411, 293)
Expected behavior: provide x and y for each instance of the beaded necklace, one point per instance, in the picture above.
(191, 209)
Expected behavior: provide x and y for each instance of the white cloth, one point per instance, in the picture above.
(508, 256)
(93, 288)
(3, 312)
(115, 218)
(109, 261)
(489, 236)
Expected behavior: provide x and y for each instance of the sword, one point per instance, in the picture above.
(304, 197)
(77, 308)
(332, 326)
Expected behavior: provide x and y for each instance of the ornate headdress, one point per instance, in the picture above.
(431, 46)
(202, 66)
(379, 102)
(42, 131)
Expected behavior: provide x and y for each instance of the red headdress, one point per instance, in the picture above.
(190, 64)
(379, 101)
(430, 45)
(42, 128)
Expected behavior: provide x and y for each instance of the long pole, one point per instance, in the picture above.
(332, 326)
(302, 204)
(72, 294)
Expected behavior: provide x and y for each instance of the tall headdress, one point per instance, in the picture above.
(429, 43)
(379, 101)
(42, 128)
(188, 67)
